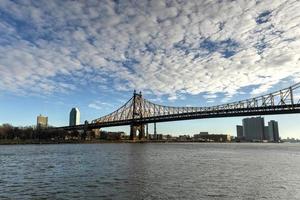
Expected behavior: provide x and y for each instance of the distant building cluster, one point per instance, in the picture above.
(205, 137)
(156, 137)
(108, 135)
(254, 130)
(291, 140)
(42, 121)
(201, 137)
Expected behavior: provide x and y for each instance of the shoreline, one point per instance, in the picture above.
(25, 142)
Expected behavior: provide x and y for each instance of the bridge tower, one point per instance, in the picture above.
(137, 113)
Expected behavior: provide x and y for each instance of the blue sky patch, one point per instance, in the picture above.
(226, 47)
(89, 54)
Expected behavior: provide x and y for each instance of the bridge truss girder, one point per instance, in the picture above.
(138, 111)
(139, 108)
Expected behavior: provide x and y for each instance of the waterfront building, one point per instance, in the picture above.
(266, 133)
(273, 130)
(107, 135)
(159, 136)
(183, 138)
(203, 133)
(42, 121)
(197, 137)
(156, 137)
(74, 117)
(239, 132)
(253, 128)
(212, 138)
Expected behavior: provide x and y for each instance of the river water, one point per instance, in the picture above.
(150, 171)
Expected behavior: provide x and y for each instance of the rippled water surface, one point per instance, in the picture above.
(150, 171)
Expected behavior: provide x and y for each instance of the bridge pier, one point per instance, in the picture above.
(133, 131)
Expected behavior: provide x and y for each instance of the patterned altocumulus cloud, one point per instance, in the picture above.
(161, 46)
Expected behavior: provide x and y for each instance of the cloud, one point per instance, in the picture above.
(99, 105)
(210, 96)
(165, 47)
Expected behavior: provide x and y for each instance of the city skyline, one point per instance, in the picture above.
(189, 130)
(59, 55)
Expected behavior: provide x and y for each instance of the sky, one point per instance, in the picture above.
(55, 55)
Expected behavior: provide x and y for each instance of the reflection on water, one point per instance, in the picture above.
(150, 171)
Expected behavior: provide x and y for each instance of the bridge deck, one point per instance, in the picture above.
(269, 110)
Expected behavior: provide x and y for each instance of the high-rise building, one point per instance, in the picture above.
(74, 117)
(239, 131)
(266, 133)
(42, 121)
(253, 128)
(273, 130)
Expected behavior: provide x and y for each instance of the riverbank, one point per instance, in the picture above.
(16, 142)
(24, 142)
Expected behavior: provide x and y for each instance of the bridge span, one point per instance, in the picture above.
(138, 111)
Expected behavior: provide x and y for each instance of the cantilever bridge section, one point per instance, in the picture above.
(139, 111)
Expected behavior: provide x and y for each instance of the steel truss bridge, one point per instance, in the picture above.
(138, 111)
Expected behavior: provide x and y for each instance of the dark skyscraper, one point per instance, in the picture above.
(253, 128)
(239, 131)
(266, 133)
(74, 117)
(273, 130)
